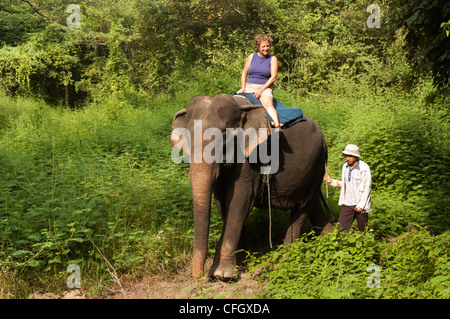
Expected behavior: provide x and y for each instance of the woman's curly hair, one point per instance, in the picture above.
(262, 38)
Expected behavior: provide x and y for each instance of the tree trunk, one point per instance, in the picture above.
(67, 96)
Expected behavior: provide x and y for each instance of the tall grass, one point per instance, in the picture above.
(103, 171)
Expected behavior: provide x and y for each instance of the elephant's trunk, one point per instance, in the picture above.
(202, 179)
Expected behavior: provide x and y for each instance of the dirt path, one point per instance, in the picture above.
(183, 286)
(179, 286)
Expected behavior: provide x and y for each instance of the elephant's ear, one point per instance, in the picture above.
(180, 137)
(254, 117)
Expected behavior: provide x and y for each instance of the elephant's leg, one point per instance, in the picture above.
(220, 196)
(319, 218)
(220, 202)
(297, 220)
(243, 246)
(240, 199)
(236, 259)
(216, 260)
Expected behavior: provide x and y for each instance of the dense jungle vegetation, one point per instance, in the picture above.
(85, 120)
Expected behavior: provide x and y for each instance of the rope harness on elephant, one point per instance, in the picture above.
(266, 181)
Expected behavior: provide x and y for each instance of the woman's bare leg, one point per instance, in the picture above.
(267, 102)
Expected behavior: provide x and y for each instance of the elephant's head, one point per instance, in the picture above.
(207, 131)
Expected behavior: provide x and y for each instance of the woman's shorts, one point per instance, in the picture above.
(252, 88)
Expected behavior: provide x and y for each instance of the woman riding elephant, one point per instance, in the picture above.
(262, 71)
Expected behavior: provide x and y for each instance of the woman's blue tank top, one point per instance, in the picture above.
(259, 71)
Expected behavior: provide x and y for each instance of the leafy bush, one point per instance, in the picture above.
(407, 151)
(416, 265)
(104, 172)
(332, 266)
(336, 265)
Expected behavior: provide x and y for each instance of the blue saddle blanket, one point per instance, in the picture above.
(287, 115)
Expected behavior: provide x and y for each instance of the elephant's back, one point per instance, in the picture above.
(304, 143)
(303, 154)
(303, 129)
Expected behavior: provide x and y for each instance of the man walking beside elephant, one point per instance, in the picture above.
(355, 186)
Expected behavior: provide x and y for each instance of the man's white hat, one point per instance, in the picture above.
(352, 150)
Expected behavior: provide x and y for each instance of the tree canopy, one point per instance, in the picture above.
(427, 36)
(149, 44)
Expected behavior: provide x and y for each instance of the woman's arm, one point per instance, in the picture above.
(245, 72)
(273, 76)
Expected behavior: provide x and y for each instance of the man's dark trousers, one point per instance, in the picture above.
(348, 214)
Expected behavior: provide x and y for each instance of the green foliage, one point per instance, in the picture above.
(16, 21)
(427, 45)
(336, 266)
(145, 45)
(44, 64)
(409, 152)
(101, 171)
(322, 40)
(417, 265)
(332, 266)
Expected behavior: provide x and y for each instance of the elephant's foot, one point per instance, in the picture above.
(328, 228)
(197, 273)
(226, 270)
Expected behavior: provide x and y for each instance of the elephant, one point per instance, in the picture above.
(237, 185)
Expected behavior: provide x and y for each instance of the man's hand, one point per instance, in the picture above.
(358, 210)
(327, 178)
